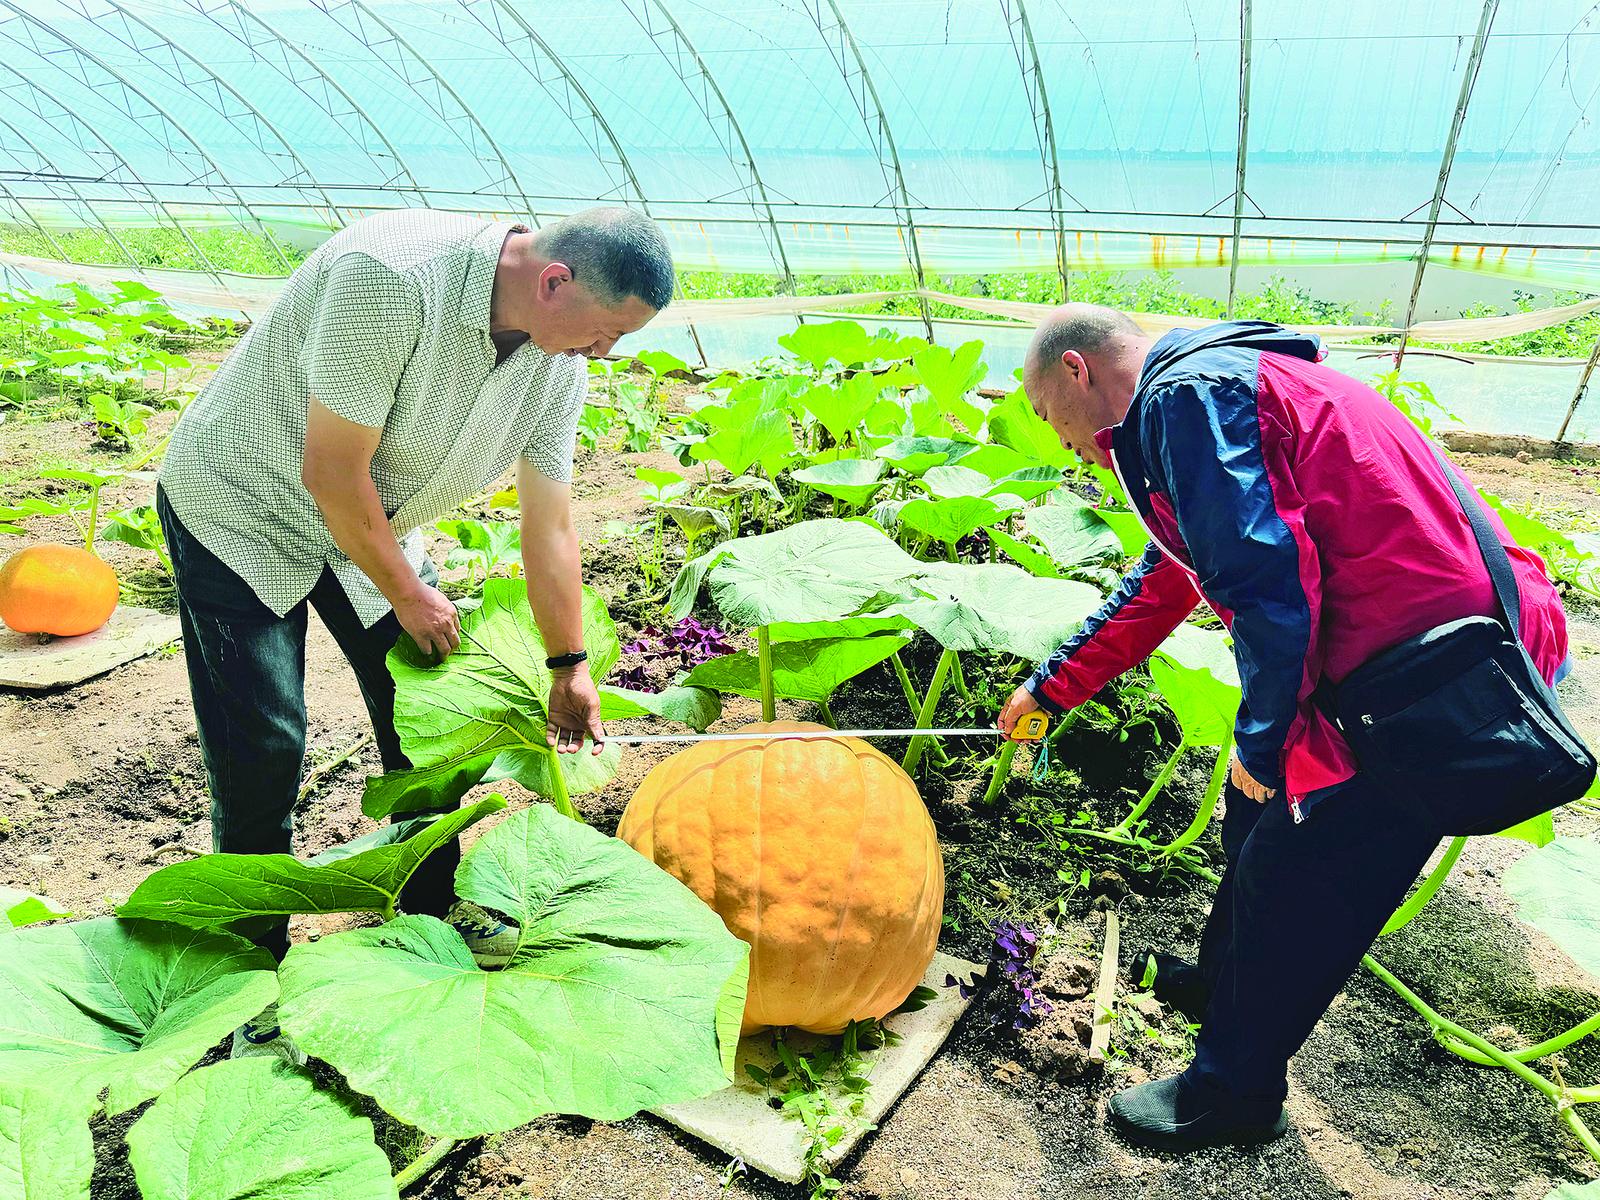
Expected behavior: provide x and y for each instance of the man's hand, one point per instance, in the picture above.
(431, 620)
(1020, 705)
(574, 710)
(1245, 782)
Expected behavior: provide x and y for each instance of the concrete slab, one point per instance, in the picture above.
(28, 662)
(739, 1121)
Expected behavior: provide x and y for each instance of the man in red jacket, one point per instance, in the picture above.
(1317, 523)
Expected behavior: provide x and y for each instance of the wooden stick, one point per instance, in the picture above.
(338, 760)
(1105, 996)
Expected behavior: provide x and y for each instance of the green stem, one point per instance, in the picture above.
(1002, 770)
(148, 454)
(1455, 1037)
(1419, 899)
(1468, 1045)
(950, 552)
(769, 702)
(94, 518)
(826, 714)
(906, 686)
(1163, 777)
(559, 796)
(427, 1161)
(925, 715)
(1208, 804)
(959, 680)
(1549, 1046)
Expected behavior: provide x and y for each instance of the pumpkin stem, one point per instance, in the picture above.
(906, 686)
(559, 796)
(1208, 804)
(1002, 769)
(769, 704)
(925, 716)
(1163, 777)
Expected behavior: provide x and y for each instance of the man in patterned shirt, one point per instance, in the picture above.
(407, 363)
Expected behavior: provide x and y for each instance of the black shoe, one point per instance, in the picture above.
(1178, 983)
(1179, 1114)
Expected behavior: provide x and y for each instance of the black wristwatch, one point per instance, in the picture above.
(567, 660)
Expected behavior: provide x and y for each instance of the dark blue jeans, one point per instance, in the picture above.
(247, 678)
(1296, 909)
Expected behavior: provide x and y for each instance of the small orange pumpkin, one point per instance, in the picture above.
(817, 852)
(54, 589)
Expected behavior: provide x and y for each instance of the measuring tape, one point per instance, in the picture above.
(1030, 727)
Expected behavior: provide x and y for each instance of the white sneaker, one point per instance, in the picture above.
(261, 1037)
(491, 941)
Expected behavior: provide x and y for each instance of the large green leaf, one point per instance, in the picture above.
(946, 482)
(46, 1151)
(993, 608)
(1536, 831)
(814, 571)
(914, 455)
(1026, 484)
(690, 706)
(1013, 423)
(847, 344)
(19, 908)
(123, 1005)
(754, 428)
(842, 406)
(1204, 705)
(997, 461)
(1026, 555)
(661, 362)
(1129, 529)
(949, 375)
(1557, 890)
(953, 519)
(849, 627)
(624, 992)
(810, 670)
(1030, 482)
(251, 1128)
(480, 714)
(1071, 531)
(218, 889)
(853, 480)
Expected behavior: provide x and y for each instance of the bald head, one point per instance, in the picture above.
(1080, 373)
(1090, 329)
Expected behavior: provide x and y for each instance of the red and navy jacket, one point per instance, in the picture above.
(1314, 519)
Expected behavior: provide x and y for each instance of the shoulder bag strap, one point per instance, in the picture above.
(1494, 554)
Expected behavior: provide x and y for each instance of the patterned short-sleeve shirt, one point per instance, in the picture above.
(387, 325)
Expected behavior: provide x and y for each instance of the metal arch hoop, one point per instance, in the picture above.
(213, 102)
(240, 11)
(157, 206)
(1044, 130)
(125, 85)
(61, 181)
(1246, 45)
(876, 121)
(1469, 80)
(744, 161)
(332, 9)
(629, 181)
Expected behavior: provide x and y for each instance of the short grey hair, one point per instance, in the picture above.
(1084, 328)
(614, 252)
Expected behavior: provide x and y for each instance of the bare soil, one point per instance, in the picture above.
(101, 783)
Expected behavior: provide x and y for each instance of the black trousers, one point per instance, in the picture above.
(247, 678)
(1298, 906)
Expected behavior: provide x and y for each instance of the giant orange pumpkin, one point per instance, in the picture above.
(56, 589)
(818, 853)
